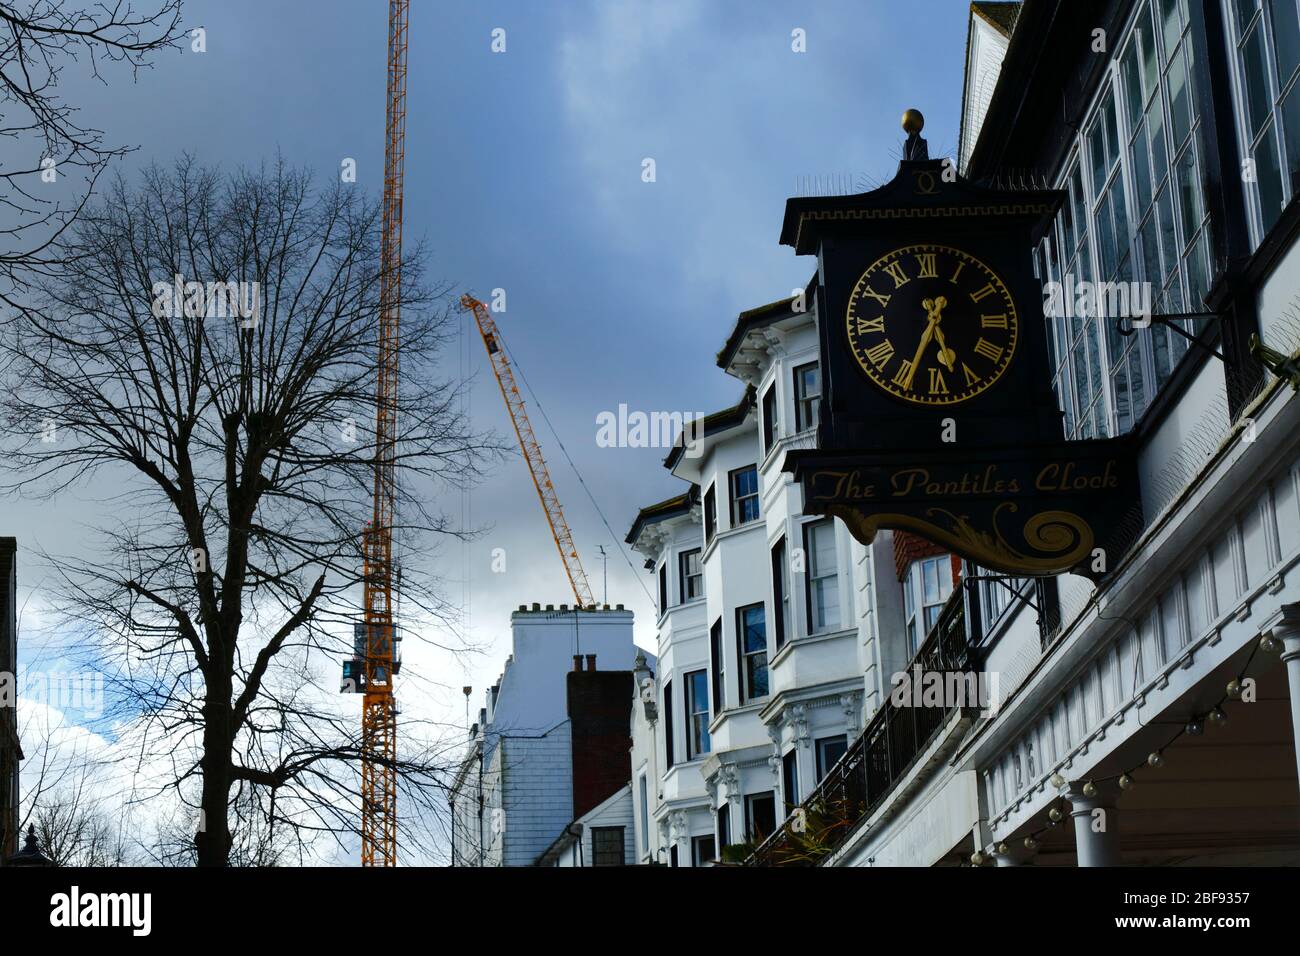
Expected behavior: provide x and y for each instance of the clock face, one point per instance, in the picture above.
(932, 325)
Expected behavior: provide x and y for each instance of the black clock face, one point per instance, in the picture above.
(932, 325)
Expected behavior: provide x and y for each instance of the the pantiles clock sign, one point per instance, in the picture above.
(937, 414)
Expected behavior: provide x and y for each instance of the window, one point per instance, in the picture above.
(807, 395)
(697, 714)
(702, 850)
(925, 591)
(770, 430)
(829, 751)
(691, 577)
(724, 825)
(672, 855)
(751, 644)
(1134, 213)
(823, 577)
(663, 588)
(790, 779)
(715, 662)
(744, 496)
(669, 744)
(997, 593)
(645, 814)
(607, 846)
(710, 514)
(781, 591)
(1264, 40)
(760, 816)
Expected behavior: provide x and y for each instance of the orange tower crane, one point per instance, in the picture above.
(532, 450)
(376, 642)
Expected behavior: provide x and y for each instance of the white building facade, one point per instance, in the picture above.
(1148, 719)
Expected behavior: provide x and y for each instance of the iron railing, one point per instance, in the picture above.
(868, 772)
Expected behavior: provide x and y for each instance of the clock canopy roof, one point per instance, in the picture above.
(917, 195)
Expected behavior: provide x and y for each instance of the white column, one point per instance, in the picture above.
(1285, 627)
(1096, 825)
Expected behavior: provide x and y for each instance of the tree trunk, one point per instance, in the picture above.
(213, 837)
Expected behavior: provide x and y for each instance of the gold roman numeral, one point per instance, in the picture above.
(883, 300)
(960, 266)
(937, 385)
(929, 265)
(993, 321)
(879, 355)
(971, 377)
(895, 271)
(904, 377)
(871, 325)
(987, 349)
(983, 293)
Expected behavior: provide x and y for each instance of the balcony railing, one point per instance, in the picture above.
(885, 752)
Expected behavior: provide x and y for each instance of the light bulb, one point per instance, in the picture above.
(1003, 850)
(1217, 717)
(1055, 814)
(1057, 781)
(1156, 759)
(1089, 789)
(977, 858)
(1269, 644)
(1194, 728)
(1030, 843)
(1234, 688)
(1125, 782)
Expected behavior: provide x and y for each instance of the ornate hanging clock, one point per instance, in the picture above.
(938, 415)
(932, 324)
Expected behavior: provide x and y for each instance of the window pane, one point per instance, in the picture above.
(1189, 196)
(1269, 174)
(1291, 127)
(1255, 68)
(1156, 134)
(1141, 170)
(1097, 155)
(1180, 101)
(1132, 71)
(930, 573)
(1170, 24)
(1286, 38)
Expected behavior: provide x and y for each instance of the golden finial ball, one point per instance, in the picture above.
(913, 122)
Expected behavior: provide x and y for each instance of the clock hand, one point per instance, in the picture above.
(946, 355)
(920, 349)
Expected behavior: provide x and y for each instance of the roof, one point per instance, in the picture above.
(714, 423)
(756, 318)
(1001, 16)
(662, 511)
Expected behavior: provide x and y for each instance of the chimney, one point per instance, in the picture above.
(591, 662)
(577, 663)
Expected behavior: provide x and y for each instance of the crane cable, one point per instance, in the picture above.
(546, 418)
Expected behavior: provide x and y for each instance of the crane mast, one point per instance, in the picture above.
(381, 661)
(532, 451)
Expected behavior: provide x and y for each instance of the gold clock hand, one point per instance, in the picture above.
(920, 349)
(946, 355)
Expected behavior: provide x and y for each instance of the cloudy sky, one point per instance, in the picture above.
(524, 172)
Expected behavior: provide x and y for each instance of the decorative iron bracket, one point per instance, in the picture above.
(968, 582)
(1168, 322)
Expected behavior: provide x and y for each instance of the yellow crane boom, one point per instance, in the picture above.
(532, 451)
(377, 662)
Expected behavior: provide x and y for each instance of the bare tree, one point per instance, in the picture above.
(38, 40)
(209, 353)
